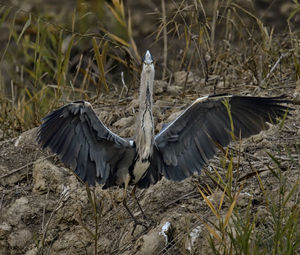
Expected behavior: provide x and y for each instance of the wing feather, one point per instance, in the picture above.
(185, 145)
(83, 142)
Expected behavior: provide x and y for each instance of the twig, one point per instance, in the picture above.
(63, 198)
(275, 65)
(44, 211)
(2, 198)
(165, 51)
(23, 167)
(124, 86)
(246, 154)
(78, 67)
(260, 70)
(182, 197)
(93, 202)
(213, 25)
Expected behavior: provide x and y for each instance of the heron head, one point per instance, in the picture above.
(148, 61)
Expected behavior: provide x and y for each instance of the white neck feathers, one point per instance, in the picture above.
(145, 124)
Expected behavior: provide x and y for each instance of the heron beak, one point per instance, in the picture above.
(147, 60)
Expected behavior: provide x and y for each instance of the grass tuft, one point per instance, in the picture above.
(269, 229)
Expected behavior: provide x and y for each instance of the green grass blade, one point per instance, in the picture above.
(27, 24)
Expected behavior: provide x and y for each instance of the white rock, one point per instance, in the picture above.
(194, 234)
(164, 231)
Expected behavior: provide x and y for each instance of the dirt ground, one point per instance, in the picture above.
(42, 204)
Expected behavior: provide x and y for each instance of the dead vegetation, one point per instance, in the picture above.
(245, 202)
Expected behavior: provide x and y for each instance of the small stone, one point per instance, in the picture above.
(244, 199)
(20, 238)
(173, 116)
(213, 77)
(124, 122)
(262, 214)
(216, 197)
(5, 228)
(160, 103)
(151, 243)
(33, 251)
(258, 138)
(127, 132)
(192, 237)
(173, 90)
(181, 77)
(296, 94)
(287, 8)
(27, 137)
(17, 210)
(4, 248)
(207, 57)
(167, 232)
(47, 176)
(134, 103)
(221, 85)
(159, 86)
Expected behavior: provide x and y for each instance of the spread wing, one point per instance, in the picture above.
(83, 142)
(187, 143)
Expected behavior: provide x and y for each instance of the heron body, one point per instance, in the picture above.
(145, 124)
(180, 149)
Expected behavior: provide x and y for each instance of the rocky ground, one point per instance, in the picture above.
(44, 208)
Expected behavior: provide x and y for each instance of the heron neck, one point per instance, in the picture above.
(145, 128)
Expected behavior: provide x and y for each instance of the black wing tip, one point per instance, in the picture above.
(279, 98)
(280, 104)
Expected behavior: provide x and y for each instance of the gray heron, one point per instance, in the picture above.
(182, 148)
